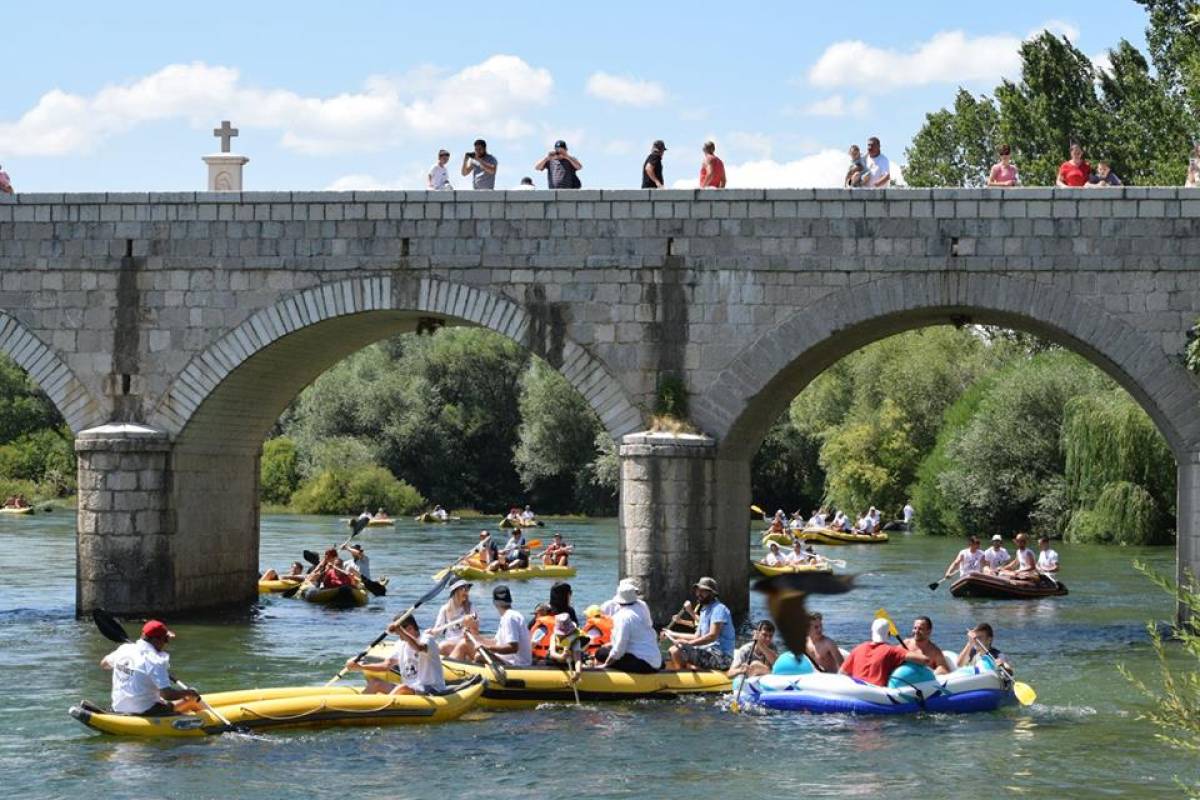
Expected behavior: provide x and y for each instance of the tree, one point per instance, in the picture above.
(955, 148)
(24, 407)
(279, 471)
(868, 461)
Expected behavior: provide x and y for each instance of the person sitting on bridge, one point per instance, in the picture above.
(1023, 566)
(874, 661)
(558, 552)
(774, 557)
(1075, 171)
(141, 680)
(979, 642)
(415, 658)
(296, 574)
(1103, 177)
(1004, 174)
(920, 642)
(757, 656)
(820, 649)
(6, 186)
(711, 647)
(359, 563)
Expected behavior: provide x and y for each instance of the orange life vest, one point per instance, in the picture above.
(603, 625)
(540, 635)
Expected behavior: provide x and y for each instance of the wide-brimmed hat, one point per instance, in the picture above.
(879, 630)
(460, 584)
(626, 594)
(706, 583)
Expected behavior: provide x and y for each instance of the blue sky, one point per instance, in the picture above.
(123, 96)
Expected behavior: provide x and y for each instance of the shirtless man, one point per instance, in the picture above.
(920, 642)
(822, 650)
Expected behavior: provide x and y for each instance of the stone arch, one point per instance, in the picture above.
(242, 382)
(72, 399)
(748, 395)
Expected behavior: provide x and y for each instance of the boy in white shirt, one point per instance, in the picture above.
(1047, 560)
(415, 657)
(438, 178)
(511, 643)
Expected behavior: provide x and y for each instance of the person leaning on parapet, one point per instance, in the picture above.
(481, 166)
(438, 178)
(1075, 171)
(1004, 173)
(5, 182)
(712, 168)
(1103, 177)
(560, 168)
(858, 168)
(526, 185)
(1193, 173)
(879, 169)
(652, 168)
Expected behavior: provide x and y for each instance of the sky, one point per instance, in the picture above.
(361, 95)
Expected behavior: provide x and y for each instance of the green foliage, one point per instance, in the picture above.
(868, 461)
(45, 457)
(1176, 697)
(556, 444)
(786, 471)
(24, 408)
(1133, 117)
(279, 471)
(672, 398)
(1123, 513)
(349, 491)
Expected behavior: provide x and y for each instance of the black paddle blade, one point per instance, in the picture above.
(374, 587)
(785, 600)
(933, 586)
(291, 591)
(357, 525)
(311, 557)
(109, 627)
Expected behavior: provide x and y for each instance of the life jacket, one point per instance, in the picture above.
(602, 626)
(540, 635)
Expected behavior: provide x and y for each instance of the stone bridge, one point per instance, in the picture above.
(172, 329)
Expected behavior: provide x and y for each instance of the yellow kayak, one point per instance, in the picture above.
(11, 510)
(271, 587)
(428, 517)
(783, 539)
(474, 573)
(526, 687)
(518, 523)
(830, 536)
(791, 569)
(291, 707)
(338, 596)
(383, 522)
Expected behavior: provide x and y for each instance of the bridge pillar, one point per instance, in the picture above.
(143, 546)
(1187, 533)
(680, 520)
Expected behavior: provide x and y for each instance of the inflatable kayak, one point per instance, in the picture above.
(11, 510)
(428, 517)
(338, 596)
(782, 538)
(525, 687)
(291, 707)
(911, 689)
(271, 587)
(472, 572)
(519, 523)
(996, 586)
(791, 569)
(830, 536)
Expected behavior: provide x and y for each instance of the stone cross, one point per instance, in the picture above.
(225, 133)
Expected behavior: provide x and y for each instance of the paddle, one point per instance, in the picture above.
(757, 510)
(113, 631)
(498, 672)
(933, 587)
(437, 587)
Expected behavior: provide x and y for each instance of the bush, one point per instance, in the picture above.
(279, 471)
(46, 456)
(345, 491)
(1124, 513)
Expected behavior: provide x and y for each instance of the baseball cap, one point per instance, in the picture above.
(155, 629)
(997, 538)
(563, 145)
(659, 144)
(502, 594)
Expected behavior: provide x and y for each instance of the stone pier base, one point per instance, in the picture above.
(679, 520)
(1187, 533)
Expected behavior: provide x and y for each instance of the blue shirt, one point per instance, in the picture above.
(716, 611)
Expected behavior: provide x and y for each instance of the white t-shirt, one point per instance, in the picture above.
(139, 671)
(362, 566)
(970, 562)
(1026, 559)
(439, 177)
(610, 607)
(527, 515)
(908, 513)
(773, 559)
(996, 559)
(440, 513)
(455, 632)
(798, 558)
(1047, 560)
(630, 635)
(817, 521)
(512, 629)
(796, 524)
(420, 671)
(877, 167)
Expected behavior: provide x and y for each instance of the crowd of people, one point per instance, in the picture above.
(516, 553)
(835, 519)
(1022, 565)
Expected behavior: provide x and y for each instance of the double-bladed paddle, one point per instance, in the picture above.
(115, 632)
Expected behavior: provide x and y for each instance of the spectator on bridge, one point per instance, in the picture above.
(1075, 171)
(481, 166)
(1103, 177)
(712, 168)
(1004, 174)
(858, 168)
(560, 168)
(879, 169)
(438, 178)
(5, 182)
(526, 185)
(1193, 173)
(652, 168)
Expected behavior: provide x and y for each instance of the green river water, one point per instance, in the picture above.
(1081, 738)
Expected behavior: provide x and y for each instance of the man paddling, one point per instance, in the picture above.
(874, 661)
(968, 561)
(920, 642)
(757, 656)
(711, 647)
(141, 681)
(359, 562)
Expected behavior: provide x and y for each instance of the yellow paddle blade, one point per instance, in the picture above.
(1025, 693)
(883, 614)
(756, 509)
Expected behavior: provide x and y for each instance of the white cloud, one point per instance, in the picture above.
(367, 183)
(488, 98)
(823, 169)
(625, 90)
(947, 57)
(1103, 61)
(836, 106)
(618, 147)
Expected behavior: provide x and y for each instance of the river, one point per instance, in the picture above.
(1081, 738)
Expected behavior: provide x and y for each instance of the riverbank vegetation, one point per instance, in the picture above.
(37, 451)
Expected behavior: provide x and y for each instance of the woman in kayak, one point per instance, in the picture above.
(454, 619)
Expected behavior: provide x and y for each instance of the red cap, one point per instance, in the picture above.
(156, 630)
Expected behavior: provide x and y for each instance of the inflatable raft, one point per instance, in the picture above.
(290, 707)
(473, 572)
(271, 587)
(337, 597)
(428, 517)
(19, 511)
(995, 586)
(791, 569)
(518, 523)
(911, 689)
(525, 687)
(830, 536)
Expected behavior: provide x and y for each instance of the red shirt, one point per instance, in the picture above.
(1073, 174)
(333, 579)
(873, 662)
(716, 177)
